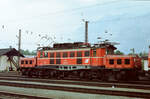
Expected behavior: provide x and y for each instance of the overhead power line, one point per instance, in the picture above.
(67, 11)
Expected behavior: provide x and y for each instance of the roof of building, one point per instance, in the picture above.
(10, 52)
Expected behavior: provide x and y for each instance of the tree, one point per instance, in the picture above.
(27, 52)
(117, 52)
(143, 54)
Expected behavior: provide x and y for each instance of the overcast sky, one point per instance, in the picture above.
(61, 19)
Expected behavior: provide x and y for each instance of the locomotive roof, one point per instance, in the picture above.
(77, 45)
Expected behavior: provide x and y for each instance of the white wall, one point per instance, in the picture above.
(145, 65)
(5, 64)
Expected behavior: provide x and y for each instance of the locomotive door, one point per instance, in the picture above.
(98, 56)
(79, 57)
(94, 59)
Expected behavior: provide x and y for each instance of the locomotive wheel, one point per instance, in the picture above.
(82, 75)
(60, 75)
(118, 76)
(105, 78)
(30, 73)
(45, 73)
(23, 72)
(86, 75)
(40, 73)
(121, 76)
(50, 74)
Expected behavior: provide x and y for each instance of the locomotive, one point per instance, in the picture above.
(83, 61)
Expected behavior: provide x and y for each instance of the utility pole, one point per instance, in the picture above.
(19, 45)
(133, 51)
(86, 31)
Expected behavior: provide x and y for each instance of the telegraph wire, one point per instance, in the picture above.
(65, 11)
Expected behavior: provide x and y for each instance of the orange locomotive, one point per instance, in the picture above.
(81, 60)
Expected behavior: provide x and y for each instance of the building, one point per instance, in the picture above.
(145, 63)
(9, 59)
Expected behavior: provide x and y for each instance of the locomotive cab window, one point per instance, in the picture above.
(79, 54)
(72, 54)
(41, 54)
(65, 54)
(109, 51)
(127, 61)
(119, 61)
(58, 54)
(45, 54)
(86, 53)
(111, 61)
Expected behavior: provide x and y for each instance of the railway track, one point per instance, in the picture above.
(129, 90)
(85, 83)
(16, 75)
(140, 89)
(10, 95)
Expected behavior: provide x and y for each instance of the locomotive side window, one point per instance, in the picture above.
(22, 62)
(30, 61)
(58, 54)
(127, 61)
(86, 53)
(58, 61)
(72, 54)
(52, 55)
(119, 61)
(111, 61)
(26, 62)
(65, 54)
(79, 54)
(51, 61)
(45, 54)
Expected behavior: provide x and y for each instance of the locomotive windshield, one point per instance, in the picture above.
(109, 51)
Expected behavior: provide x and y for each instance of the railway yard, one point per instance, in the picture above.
(52, 61)
(12, 85)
